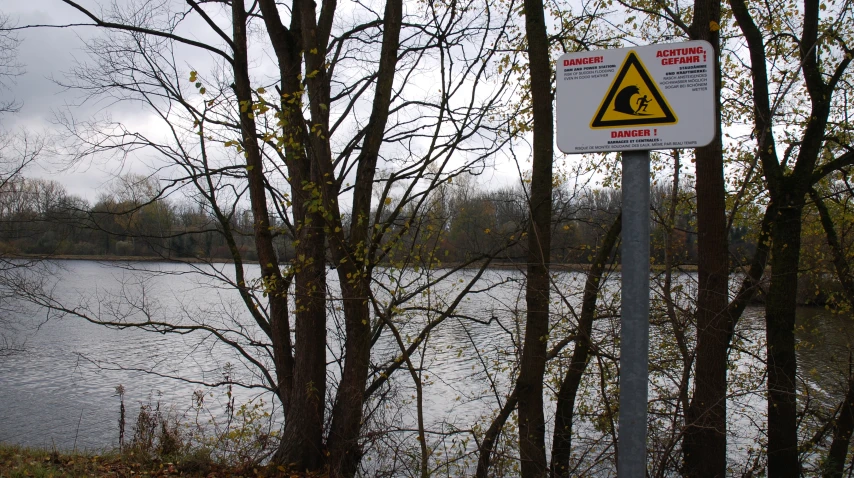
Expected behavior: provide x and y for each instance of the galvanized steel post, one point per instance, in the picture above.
(634, 323)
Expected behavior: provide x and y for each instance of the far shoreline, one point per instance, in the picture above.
(562, 267)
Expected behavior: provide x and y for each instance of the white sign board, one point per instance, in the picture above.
(641, 98)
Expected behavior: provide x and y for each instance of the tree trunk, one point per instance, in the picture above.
(564, 410)
(344, 450)
(302, 438)
(354, 268)
(780, 336)
(492, 433)
(704, 443)
(302, 441)
(532, 368)
(834, 465)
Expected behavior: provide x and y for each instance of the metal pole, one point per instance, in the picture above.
(634, 323)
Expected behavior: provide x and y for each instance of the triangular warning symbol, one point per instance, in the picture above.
(633, 99)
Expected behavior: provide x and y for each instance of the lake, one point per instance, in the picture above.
(60, 390)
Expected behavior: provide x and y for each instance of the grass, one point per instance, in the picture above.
(19, 462)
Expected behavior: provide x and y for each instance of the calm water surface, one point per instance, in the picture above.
(60, 391)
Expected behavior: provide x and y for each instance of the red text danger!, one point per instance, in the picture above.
(583, 61)
(632, 133)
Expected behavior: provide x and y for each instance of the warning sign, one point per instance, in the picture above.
(633, 99)
(640, 98)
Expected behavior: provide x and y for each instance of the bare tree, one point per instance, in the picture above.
(789, 178)
(304, 149)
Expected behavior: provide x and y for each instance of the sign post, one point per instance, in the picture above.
(634, 317)
(634, 100)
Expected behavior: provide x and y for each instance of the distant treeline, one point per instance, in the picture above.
(136, 218)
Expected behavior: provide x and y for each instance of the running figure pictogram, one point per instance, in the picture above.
(642, 103)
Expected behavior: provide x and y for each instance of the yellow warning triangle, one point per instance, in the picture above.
(633, 99)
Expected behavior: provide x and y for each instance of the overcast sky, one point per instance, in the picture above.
(48, 53)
